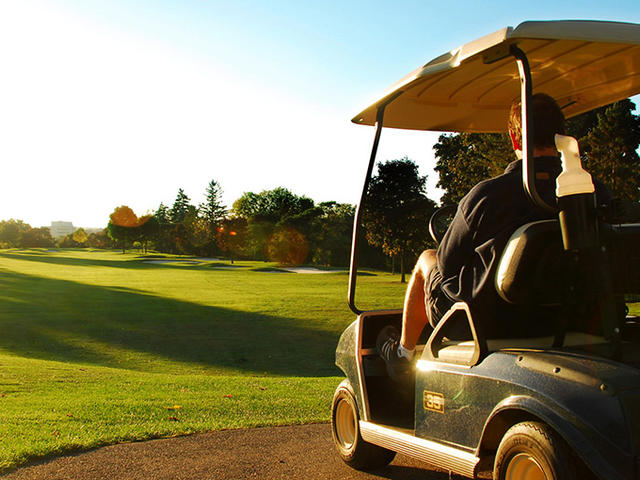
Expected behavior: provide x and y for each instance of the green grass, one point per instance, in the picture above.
(53, 407)
(96, 346)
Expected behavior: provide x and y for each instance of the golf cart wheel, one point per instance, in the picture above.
(345, 430)
(532, 451)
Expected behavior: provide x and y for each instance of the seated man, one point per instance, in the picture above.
(464, 266)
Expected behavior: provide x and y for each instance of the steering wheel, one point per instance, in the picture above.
(440, 221)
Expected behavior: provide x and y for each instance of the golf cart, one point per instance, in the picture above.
(561, 406)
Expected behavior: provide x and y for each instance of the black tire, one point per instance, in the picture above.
(533, 451)
(345, 431)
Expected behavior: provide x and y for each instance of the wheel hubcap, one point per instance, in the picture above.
(524, 467)
(345, 424)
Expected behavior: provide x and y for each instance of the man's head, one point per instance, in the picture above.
(548, 120)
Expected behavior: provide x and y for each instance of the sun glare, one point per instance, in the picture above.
(94, 116)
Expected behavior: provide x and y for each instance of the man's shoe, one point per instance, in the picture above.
(387, 345)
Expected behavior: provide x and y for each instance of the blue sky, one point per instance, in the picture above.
(104, 103)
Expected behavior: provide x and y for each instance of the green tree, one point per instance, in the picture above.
(213, 209)
(66, 242)
(37, 237)
(163, 239)
(332, 229)
(258, 234)
(11, 232)
(288, 246)
(99, 240)
(180, 207)
(397, 210)
(266, 212)
(609, 137)
(185, 237)
(609, 150)
(247, 206)
(162, 214)
(271, 205)
(468, 158)
(211, 213)
(197, 234)
(80, 236)
(186, 229)
(231, 236)
(293, 236)
(119, 234)
(148, 228)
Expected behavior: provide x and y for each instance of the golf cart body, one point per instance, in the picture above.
(471, 396)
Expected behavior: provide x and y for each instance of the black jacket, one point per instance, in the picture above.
(486, 218)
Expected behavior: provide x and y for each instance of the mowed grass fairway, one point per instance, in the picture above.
(98, 347)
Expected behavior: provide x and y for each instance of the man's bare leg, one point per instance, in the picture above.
(414, 315)
(396, 352)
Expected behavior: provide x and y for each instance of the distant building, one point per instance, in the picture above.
(61, 229)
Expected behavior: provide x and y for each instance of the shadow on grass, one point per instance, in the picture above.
(142, 262)
(66, 321)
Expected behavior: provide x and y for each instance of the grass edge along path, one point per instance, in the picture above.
(52, 411)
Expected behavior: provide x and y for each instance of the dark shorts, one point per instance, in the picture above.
(436, 301)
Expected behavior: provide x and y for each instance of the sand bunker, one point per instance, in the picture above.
(308, 270)
(191, 262)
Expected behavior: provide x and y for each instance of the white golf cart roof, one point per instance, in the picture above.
(582, 64)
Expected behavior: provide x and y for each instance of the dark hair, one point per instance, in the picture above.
(548, 120)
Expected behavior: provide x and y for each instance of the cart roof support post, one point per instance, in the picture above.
(357, 231)
(528, 166)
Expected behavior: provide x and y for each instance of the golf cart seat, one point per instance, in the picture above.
(531, 271)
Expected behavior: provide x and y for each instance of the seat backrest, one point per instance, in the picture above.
(531, 269)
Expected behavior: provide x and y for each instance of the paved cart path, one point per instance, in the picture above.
(295, 452)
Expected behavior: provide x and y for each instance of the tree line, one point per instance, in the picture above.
(18, 234)
(272, 225)
(280, 226)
